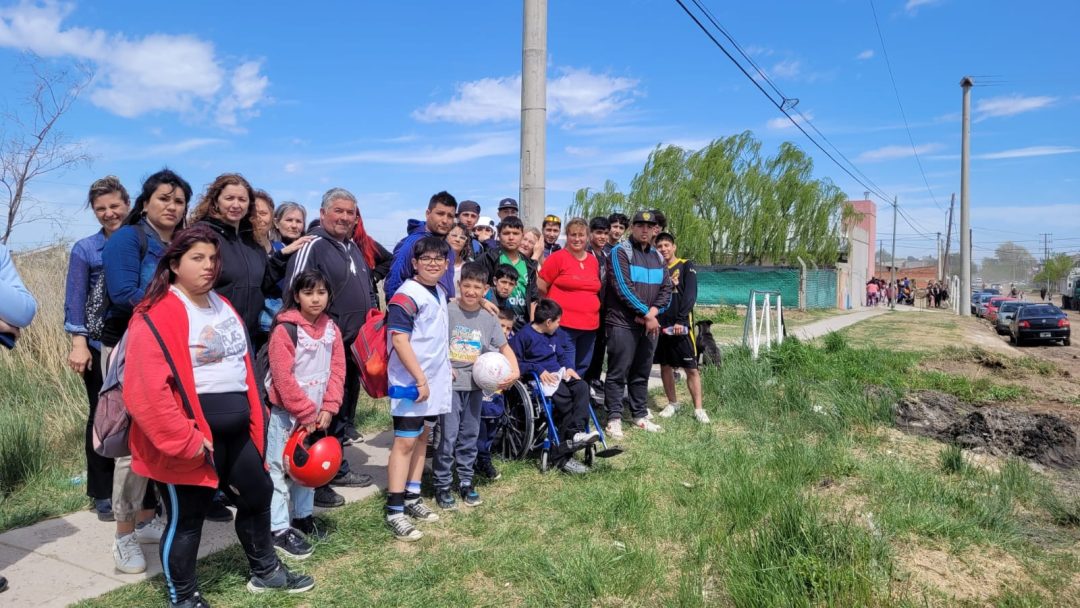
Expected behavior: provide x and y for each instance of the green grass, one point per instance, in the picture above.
(730, 514)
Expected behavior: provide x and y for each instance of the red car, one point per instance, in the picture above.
(993, 305)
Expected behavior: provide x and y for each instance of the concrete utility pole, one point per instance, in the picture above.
(948, 235)
(1046, 256)
(533, 111)
(965, 205)
(892, 274)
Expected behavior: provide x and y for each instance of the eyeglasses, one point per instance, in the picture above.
(431, 261)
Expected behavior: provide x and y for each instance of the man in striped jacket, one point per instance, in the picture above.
(638, 290)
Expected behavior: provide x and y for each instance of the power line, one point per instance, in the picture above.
(779, 106)
(790, 103)
(903, 114)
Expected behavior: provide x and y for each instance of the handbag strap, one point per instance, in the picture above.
(172, 366)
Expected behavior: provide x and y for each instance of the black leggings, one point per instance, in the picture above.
(99, 470)
(570, 409)
(243, 479)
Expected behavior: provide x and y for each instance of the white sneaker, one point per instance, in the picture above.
(584, 438)
(648, 414)
(669, 411)
(151, 531)
(128, 555)
(614, 429)
(647, 425)
(701, 416)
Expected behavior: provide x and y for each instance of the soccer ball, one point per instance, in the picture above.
(489, 370)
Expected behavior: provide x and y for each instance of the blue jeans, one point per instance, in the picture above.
(290, 500)
(584, 340)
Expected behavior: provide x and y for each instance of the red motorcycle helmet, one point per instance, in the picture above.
(311, 463)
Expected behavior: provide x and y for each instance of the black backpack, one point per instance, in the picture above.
(262, 361)
(97, 299)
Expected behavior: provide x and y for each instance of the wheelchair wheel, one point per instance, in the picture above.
(514, 437)
(587, 457)
(544, 461)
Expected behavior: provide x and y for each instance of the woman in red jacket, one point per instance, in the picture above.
(221, 444)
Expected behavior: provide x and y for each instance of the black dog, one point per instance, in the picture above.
(708, 351)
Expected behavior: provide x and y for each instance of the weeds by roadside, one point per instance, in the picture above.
(729, 514)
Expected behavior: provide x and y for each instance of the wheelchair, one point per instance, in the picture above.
(527, 425)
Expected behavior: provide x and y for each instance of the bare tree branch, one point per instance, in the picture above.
(31, 145)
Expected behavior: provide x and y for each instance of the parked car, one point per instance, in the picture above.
(992, 307)
(981, 302)
(1005, 313)
(1040, 322)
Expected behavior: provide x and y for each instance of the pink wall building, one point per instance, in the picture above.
(869, 223)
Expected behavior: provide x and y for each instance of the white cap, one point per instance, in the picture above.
(485, 221)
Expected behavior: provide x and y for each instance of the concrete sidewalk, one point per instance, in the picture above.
(64, 560)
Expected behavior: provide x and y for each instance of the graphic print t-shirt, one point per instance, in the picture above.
(472, 333)
(517, 296)
(218, 343)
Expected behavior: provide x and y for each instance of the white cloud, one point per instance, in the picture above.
(781, 123)
(912, 6)
(574, 94)
(247, 88)
(1010, 105)
(497, 144)
(136, 76)
(1029, 152)
(895, 152)
(789, 68)
(757, 49)
(867, 54)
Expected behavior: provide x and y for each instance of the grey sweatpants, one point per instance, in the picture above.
(460, 430)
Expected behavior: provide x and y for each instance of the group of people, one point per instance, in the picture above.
(185, 293)
(891, 293)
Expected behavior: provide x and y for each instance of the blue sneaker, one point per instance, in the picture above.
(469, 496)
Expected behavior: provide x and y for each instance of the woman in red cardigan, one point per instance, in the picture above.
(222, 444)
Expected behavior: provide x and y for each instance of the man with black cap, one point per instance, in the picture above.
(507, 207)
(468, 214)
(638, 290)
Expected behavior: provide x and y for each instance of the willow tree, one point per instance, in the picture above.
(593, 203)
(727, 204)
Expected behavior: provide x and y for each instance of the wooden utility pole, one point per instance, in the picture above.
(948, 234)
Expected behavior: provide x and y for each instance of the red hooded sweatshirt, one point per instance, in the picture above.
(164, 440)
(284, 389)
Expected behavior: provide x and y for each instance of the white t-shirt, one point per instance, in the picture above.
(218, 343)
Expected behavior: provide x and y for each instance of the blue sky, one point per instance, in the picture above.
(396, 101)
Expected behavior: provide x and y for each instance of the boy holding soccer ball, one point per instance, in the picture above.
(473, 331)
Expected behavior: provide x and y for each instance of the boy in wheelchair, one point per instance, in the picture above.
(544, 349)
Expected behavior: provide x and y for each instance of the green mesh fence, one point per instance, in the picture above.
(820, 288)
(731, 285)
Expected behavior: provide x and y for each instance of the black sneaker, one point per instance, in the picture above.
(103, 508)
(281, 580)
(352, 436)
(488, 470)
(445, 499)
(310, 527)
(352, 479)
(218, 512)
(403, 529)
(195, 601)
(469, 496)
(419, 511)
(290, 543)
(327, 498)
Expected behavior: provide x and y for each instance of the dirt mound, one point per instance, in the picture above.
(1044, 438)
